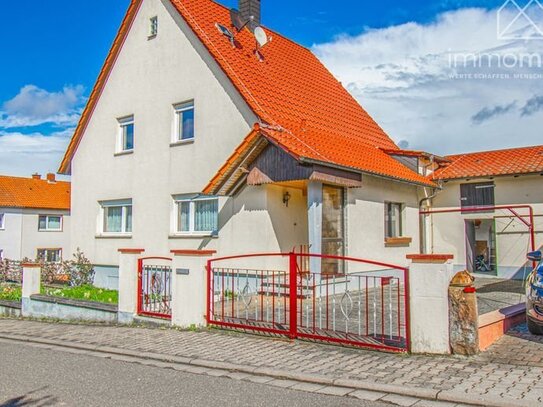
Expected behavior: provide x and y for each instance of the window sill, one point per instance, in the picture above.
(121, 153)
(181, 142)
(114, 236)
(192, 235)
(398, 241)
(49, 231)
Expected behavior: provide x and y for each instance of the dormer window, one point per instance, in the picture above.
(153, 27)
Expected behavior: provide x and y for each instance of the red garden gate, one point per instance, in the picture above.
(155, 287)
(365, 305)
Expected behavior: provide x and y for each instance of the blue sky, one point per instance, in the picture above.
(384, 52)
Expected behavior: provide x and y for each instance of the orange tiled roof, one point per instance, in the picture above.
(311, 113)
(515, 161)
(18, 192)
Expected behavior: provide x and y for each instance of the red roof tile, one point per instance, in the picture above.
(515, 161)
(312, 114)
(18, 192)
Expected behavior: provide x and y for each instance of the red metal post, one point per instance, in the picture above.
(209, 294)
(140, 288)
(407, 299)
(293, 283)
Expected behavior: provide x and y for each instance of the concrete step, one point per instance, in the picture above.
(151, 322)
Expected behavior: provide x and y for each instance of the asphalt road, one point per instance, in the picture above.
(32, 376)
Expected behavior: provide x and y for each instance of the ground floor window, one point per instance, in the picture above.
(117, 216)
(197, 215)
(333, 229)
(50, 255)
(393, 219)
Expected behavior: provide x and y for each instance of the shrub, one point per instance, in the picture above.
(81, 270)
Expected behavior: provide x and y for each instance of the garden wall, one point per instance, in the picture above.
(10, 309)
(41, 306)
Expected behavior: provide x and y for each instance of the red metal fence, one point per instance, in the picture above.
(366, 306)
(154, 288)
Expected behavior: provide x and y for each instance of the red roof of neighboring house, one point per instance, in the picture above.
(308, 112)
(18, 192)
(515, 161)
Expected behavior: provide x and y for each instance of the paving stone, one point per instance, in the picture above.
(309, 387)
(282, 383)
(335, 391)
(434, 403)
(367, 395)
(403, 401)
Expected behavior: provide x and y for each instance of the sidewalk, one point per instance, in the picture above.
(503, 376)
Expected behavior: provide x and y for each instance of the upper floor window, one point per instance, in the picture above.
(393, 219)
(153, 27)
(125, 138)
(197, 216)
(50, 255)
(2, 220)
(117, 217)
(184, 122)
(50, 223)
(478, 195)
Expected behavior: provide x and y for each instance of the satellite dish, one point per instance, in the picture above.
(261, 37)
(237, 20)
(227, 33)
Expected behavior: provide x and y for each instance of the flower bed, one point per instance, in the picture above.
(11, 292)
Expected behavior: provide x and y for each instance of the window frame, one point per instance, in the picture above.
(2, 221)
(192, 200)
(46, 253)
(400, 220)
(123, 123)
(124, 205)
(179, 109)
(153, 27)
(47, 228)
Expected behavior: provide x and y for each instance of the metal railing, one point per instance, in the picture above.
(367, 306)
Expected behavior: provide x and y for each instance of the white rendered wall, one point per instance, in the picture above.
(21, 237)
(512, 237)
(150, 76)
(366, 220)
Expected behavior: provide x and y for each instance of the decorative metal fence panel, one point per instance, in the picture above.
(367, 306)
(154, 290)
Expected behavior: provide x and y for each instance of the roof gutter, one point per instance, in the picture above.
(489, 176)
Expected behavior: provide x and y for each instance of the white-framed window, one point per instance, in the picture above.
(2, 221)
(125, 136)
(50, 223)
(184, 122)
(116, 217)
(394, 219)
(50, 255)
(153, 27)
(196, 216)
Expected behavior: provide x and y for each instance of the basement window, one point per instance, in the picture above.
(50, 255)
(153, 27)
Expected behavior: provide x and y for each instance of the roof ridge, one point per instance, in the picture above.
(494, 151)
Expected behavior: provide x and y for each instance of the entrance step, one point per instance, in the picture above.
(151, 322)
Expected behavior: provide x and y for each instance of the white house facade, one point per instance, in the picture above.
(34, 218)
(172, 111)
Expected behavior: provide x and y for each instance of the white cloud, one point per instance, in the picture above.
(404, 76)
(24, 154)
(34, 106)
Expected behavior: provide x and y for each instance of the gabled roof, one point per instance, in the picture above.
(515, 161)
(307, 111)
(18, 192)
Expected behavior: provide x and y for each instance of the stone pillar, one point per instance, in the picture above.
(429, 278)
(31, 286)
(189, 287)
(314, 222)
(128, 284)
(464, 315)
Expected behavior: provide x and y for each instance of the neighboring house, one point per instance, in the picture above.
(34, 218)
(498, 239)
(191, 141)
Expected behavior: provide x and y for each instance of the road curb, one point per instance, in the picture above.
(426, 394)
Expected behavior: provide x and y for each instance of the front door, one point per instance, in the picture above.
(333, 229)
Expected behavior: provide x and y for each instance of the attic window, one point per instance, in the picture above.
(153, 27)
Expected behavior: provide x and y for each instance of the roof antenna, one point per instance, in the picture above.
(227, 33)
